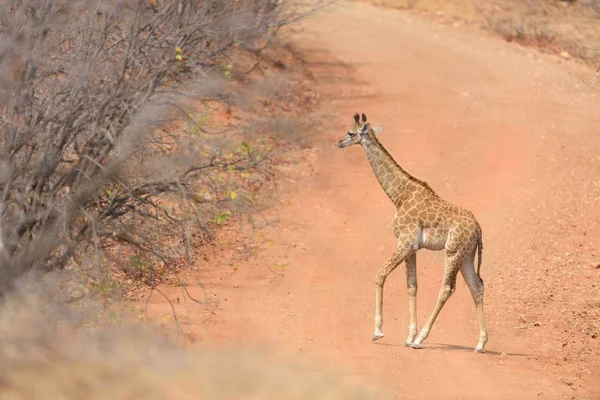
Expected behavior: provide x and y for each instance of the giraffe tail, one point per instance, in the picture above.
(479, 251)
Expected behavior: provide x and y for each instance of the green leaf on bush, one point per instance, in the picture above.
(246, 147)
(222, 217)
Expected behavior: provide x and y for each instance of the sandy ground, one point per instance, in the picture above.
(502, 130)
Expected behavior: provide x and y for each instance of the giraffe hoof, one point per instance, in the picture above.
(377, 336)
(407, 344)
(415, 346)
(478, 350)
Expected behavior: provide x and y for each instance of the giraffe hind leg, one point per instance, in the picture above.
(453, 264)
(475, 284)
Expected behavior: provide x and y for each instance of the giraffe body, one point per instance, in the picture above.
(423, 220)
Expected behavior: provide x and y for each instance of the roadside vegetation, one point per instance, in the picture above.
(56, 350)
(568, 28)
(132, 130)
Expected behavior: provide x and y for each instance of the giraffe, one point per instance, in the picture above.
(423, 220)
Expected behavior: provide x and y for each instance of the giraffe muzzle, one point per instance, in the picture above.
(342, 143)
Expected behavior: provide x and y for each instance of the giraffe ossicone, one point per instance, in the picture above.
(423, 220)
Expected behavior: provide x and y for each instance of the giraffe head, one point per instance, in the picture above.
(361, 130)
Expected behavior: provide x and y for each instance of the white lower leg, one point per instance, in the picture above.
(422, 335)
(443, 296)
(412, 333)
(378, 334)
(483, 338)
(412, 312)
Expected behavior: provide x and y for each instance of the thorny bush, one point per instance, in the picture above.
(86, 89)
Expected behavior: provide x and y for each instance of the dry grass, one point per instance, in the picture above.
(550, 25)
(56, 350)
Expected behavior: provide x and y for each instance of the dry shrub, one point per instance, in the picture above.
(51, 349)
(93, 160)
(524, 32)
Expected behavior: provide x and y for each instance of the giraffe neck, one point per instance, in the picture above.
(391, 176)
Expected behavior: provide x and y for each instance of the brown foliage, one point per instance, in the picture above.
(85, 88)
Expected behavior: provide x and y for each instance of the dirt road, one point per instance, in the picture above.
(491, 127)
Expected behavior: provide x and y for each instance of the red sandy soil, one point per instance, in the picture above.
(502, 130)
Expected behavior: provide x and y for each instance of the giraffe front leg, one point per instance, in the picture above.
(379, 280)
(382, 275)
(411, 283)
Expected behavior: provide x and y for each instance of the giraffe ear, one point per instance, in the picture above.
(377, 130)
